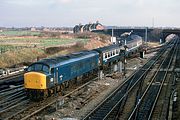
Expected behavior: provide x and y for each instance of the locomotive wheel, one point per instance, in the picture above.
(66, 84)
(71, 83)
(46, 94)
(62, 88)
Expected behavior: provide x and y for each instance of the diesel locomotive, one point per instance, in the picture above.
(46, 76)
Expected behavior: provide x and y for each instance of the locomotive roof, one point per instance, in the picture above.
(55, 61)
(107, 48)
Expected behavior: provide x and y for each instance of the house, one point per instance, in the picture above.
(88, 27)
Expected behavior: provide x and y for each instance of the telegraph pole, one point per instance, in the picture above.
(146, 34)
(112, 32)
(125, 47)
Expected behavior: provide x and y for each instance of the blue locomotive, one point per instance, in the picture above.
(42, 76)
(46, 76)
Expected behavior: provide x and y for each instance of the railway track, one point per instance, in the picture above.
(109, 108)
(24, 108)
(161, 109)
(174, 106)
(8, 81)
(16, 108)
(133, 98)
(15, 105)
(143, 110)
(11, 99)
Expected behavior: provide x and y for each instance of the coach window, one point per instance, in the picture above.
(114, 52)
(106, 55)
(109, 54)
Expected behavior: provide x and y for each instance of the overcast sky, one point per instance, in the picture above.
(58, 13)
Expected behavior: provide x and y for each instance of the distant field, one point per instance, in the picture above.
(17, 43)
(39, 42)
(19, 33)
(17, 50)
(11, 40)
(26, 46)
(57, 41)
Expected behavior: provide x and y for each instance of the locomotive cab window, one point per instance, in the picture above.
(39, 68)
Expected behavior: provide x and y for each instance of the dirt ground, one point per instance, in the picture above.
(96, 92)
(94, 43)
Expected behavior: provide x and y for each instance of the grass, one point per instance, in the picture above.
(57, 41)
(19, 33)
(11, 58)
(14, 57)
(39, 42)
(14, 51)
(4, 48)
(13, 44)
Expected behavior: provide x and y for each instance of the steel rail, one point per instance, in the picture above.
(146, 70)
(12, 93)
(49, 103)
(144, 94)
(150, 115)
(14, 104)
(9, 89)
(11, 76)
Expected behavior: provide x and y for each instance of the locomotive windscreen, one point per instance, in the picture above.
(39, 68)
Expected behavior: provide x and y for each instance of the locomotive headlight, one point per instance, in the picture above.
(51, 79)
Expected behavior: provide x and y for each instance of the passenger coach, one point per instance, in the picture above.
(108, 54)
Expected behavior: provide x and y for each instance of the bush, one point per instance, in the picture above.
(52, 50)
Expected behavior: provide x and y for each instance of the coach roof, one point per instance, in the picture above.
(107, 48)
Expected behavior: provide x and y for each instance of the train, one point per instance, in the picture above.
(51, 75)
